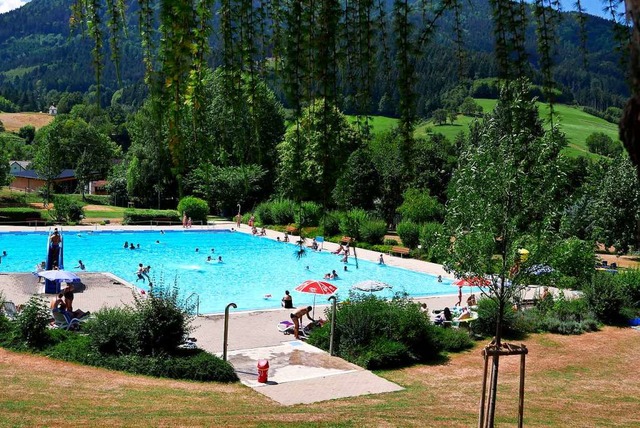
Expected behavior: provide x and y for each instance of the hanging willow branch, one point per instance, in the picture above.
(459, 39)
(547, 14)
(146, 23)
(117, 26)
(88, 12)
(581, 18)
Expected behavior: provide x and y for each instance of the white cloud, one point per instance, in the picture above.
(7, 5)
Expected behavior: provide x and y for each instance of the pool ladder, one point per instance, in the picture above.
(197, 302)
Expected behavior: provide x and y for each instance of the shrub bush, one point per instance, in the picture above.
(282, 211)
(162, 321)
(383, 353)
(391, 242)
(194, 365)
(630, 283)
(431, 236)
(373, 231)
(308, 215)
(112, 331)
(331, 223)
(32, 323)
(419, 206)
(574, 258)
(605, 298)
(13, 200)
(18, 215)
(560, 316)
(409, 232)
(193, 207)
(452, 340)
(263, 214)
(134, 216)
(351, 223)
(485, 324)
(66, 209)
(377, 333)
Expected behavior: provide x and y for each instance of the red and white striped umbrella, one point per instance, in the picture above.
(314, 287)
(474, 281)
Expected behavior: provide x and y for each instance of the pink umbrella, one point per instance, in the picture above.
(316, 287)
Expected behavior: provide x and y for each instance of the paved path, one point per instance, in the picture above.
(299, 373)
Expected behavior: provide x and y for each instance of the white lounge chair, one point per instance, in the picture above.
(65, 321)
(10, 310)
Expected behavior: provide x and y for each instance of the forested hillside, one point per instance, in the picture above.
(43, 61)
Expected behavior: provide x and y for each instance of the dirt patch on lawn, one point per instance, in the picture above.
(98, 208)
(14, 121)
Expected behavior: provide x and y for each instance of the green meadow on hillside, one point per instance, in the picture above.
(575, 123)
(379, 124)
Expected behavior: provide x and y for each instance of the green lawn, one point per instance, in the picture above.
(575, 123)
(379, 124)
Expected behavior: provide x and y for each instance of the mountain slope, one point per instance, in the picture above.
(39, 54)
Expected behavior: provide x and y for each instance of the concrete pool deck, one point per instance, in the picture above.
(299, 373)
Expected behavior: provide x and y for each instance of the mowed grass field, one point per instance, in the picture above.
(575, 123)
(14, 121)
(571, 381)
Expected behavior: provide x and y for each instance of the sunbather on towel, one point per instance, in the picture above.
(297, 316)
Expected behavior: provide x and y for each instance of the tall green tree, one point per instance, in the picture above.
(149, 174)
(310, 158)
(504, 189)
(47, 159)
(614, 211)
(74, 144)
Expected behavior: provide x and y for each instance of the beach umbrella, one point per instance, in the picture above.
(474, 281)
(59, 275)
(370, 285)
(540, 269)
(316, 287)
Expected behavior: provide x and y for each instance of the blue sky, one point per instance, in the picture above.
(593, 7)
(7, 5)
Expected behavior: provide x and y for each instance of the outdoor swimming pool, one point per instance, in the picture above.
(252, 266)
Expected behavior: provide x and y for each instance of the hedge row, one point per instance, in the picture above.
(196, 365)
(133, 216)
(10, 215)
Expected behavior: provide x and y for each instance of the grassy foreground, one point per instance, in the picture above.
(578, 381)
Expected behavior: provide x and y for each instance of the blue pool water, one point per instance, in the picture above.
(252, 266)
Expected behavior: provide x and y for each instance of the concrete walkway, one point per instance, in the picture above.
(299, 373)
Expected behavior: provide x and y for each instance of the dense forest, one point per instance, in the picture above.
(43, 60)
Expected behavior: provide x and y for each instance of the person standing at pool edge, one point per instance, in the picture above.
(297, 316)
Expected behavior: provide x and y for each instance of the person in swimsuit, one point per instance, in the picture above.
(297, 316)
(287, 300)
